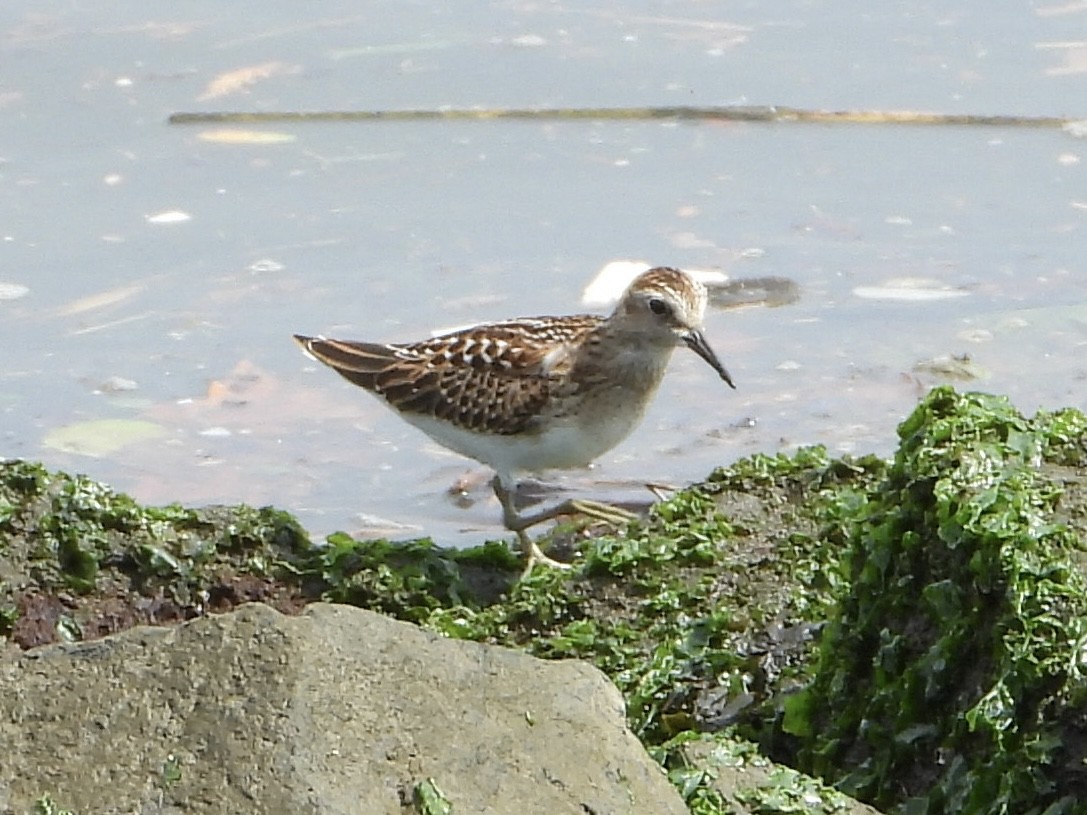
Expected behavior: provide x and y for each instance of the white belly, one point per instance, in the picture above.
(567, 442)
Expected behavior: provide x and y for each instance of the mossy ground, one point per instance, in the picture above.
(751, 607)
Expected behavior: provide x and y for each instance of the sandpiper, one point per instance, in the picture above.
(535, 393)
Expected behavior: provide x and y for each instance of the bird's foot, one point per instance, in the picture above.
(572, 506)
(609, 513)
(534, 555)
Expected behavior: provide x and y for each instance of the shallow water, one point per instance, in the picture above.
(385, 231)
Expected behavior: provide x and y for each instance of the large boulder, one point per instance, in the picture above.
(337, 710)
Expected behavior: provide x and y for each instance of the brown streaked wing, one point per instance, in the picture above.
(493, 378)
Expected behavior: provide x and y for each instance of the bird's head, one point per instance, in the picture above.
(667, 306)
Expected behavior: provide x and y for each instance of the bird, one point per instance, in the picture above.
(536, 393)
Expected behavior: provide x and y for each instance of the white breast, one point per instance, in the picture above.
(567, 442)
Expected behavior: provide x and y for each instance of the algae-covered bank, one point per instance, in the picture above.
(909, 632)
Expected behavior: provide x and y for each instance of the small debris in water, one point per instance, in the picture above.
(952, 366)
(13, 291)
(910, 289)
(118, 384)
(1076, 129)
(242, 79)
(976, 335)
(239, 136)
(373, 526)
(101, 437)
(173, 216)
(529, 41)
(265, 265)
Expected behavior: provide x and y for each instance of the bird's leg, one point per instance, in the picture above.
(531, 553)
(519, 523)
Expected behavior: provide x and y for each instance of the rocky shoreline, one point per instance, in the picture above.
(908, 631)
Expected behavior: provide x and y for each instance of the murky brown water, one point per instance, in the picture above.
(165, 273)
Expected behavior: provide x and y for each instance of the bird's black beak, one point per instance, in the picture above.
(697, 343)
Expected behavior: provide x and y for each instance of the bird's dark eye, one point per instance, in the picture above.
(658, 306)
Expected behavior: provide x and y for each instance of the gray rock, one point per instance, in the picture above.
(338, 710)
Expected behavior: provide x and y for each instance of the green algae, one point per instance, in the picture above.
(951, 677)
(46, 806)
(71, 526)
(428, 799)
(717, 773)
(68, 542)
